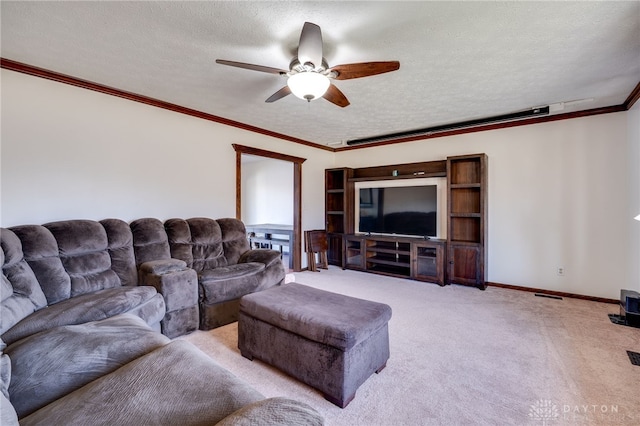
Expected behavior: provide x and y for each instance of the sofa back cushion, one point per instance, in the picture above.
(41, 253)
(180, 242)
(82, 246)
(234, 239)
(205, 242)
(20, 292)
(150, 240)
(120, 248)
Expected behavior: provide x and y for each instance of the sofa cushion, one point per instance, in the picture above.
(151, 390)
(234, 239)
(268, 257)
(89, 307)
(321, 316)
(82, 246)
(20, 293)
(273, 412)
(180, 242)
(8, 416)
(150, 240)
(206, 240)
(5, 374)
(58, 361)
(120, 248)
(229, 282)
(41, 253)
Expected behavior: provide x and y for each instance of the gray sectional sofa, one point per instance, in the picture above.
(219, 253)
(81, 306)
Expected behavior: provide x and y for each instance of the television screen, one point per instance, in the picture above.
(402, 210)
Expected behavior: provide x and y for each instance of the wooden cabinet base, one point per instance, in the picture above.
(403, 257)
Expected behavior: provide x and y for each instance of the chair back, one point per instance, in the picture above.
(316, 243)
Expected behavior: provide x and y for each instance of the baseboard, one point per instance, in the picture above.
(555, 293)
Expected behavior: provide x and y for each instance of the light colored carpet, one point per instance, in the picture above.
(464, 356)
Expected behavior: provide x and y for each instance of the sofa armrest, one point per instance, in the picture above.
(161, 267)
(8, 416)
(265, 256)
(273, 412)
(171, 278)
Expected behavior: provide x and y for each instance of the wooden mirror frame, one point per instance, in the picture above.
(296, 244)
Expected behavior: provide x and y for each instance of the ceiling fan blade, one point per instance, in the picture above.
(310, 46)
(335, 96)
(279, 94)
(364, 69)
(252, 67)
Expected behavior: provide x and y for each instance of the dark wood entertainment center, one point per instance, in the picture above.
(460, 259)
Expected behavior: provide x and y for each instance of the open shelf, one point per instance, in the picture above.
(465, 200)
(465, 171)
(401, 171)
(465, 229)
(335, 180)
(335, 201)
(335, 222)
(390, 269)
(353, 254)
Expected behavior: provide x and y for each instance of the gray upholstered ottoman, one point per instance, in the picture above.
(326, 340)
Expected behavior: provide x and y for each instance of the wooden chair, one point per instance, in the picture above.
(315, 242)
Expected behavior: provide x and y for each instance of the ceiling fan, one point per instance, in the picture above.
(309, 75)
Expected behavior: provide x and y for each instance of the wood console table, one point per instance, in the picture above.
(268, 230)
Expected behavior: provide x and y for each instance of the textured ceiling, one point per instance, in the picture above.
(458, 60)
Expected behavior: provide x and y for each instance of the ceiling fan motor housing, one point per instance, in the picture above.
(309, 73)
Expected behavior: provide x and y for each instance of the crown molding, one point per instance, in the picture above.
(96, 87)
(89, 85)
(633, 97)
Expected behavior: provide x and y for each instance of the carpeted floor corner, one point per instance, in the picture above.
(461, 356)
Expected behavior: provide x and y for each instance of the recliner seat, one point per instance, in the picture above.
(227, 268)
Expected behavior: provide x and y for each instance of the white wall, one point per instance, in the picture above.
(70, 153)
(267, 191)
(633, 160)
(560, 194)
(558, 197)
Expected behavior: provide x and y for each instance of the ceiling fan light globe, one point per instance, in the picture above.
(308, 85)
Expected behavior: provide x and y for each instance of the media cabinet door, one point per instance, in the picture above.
(465, 265)
(334, 252)
(427, 261)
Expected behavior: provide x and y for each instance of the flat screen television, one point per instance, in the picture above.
(405, 209)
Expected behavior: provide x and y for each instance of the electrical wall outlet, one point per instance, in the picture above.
(560, 270)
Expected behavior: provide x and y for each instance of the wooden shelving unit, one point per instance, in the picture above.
(466, 219)
(460, 259)
(338, 211)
